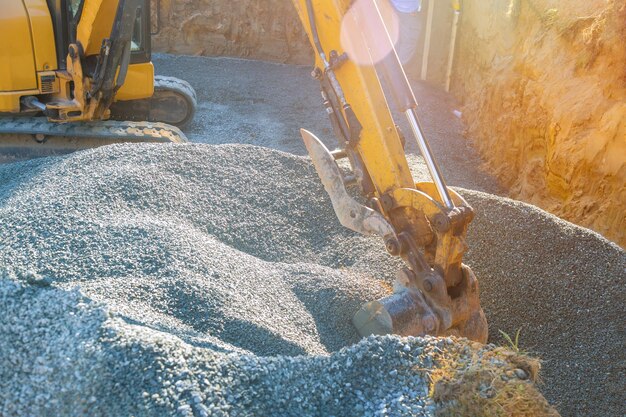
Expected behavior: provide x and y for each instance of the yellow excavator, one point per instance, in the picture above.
(78, 74)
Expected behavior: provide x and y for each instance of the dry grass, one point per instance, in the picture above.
(493, 382)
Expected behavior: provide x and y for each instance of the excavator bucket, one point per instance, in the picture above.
(405, 313)
(420, 304)
(408, 313)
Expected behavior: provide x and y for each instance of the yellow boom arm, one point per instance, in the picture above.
(423, 223)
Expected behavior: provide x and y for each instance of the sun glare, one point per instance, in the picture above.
(363, 16)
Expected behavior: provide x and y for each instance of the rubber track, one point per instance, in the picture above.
(162, 82)
(109, 129)
(124, 110)
(184, 89)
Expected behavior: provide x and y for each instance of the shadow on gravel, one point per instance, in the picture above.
(191, 339)
(327, 323)
(18, 175)
(259, 340)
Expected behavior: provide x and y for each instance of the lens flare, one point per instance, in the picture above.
(356, 26)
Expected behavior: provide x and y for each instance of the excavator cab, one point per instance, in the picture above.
(65, 15)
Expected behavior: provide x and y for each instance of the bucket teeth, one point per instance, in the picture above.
(405, 313)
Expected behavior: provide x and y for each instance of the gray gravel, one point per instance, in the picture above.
(200, 253)
(205, 240)
(195, 261)
(565, 287)
(64, 354)
(149, 280)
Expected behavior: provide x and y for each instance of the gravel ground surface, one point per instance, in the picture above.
(266, 104)
(152, 279)
(564, 286)
(197, 252)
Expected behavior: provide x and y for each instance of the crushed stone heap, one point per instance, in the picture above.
(215, 280)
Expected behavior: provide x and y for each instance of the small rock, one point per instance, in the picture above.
(34, 278)
(521, 374)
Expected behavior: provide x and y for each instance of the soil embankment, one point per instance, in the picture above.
(544, 90)
(268, 30)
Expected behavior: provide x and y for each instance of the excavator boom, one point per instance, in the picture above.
(424, 223)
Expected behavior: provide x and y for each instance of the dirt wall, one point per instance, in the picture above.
(270, 30)
(543, 84)
(256, 29)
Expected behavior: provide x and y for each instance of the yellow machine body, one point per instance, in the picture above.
(95, 24)
(29, 64)
(29, 45)
(139, 82)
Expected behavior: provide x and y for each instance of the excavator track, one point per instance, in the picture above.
(32, 137)
(174, 102)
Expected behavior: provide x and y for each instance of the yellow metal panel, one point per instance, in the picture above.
(10, 101)
(96, 22)
(139, 82)
(42, 35)
(380, 145)
(17, 64)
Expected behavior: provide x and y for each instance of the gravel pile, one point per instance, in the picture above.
(64, 354)
(195, 262)
(564, 286)
(81, 361)
(196, 240)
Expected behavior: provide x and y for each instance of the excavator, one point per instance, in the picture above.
(77, 74)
